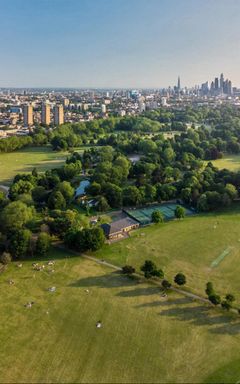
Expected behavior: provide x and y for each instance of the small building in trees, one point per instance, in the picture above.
(81, 189)
(119, 228)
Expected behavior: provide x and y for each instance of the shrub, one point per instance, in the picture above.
(209, 289)
(230, 298)
(226, 305)
(215, 299)
(180, 279)
(5, 258)
(166, 284)
(157, 217)
(128, 270)
(180, 212)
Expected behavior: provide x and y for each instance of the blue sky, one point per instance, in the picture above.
(118, 43)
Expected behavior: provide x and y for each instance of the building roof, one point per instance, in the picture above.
(118, 225)
(80, 191)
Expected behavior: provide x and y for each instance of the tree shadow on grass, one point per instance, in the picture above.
(204, 316)
(146, 291)
(166, 302)
(109, 280)
(229, 328)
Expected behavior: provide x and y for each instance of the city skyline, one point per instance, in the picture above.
(103, 44)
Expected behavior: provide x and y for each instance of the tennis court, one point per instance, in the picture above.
(144, 215)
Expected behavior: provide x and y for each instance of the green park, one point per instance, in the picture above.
(144, 337)
(25, 159)
(119, 252)
(231, 162)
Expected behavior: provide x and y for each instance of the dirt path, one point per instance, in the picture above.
(102, 262)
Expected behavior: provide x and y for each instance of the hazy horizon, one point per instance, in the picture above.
(118, 44)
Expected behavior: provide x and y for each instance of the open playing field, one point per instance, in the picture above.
(204, 247)
(24, 160)
(144, 338)
(144, 215)
(231, 162)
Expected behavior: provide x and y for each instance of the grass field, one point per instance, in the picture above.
(191, 246)
(26, 159)
(144, 338)
(231, 162)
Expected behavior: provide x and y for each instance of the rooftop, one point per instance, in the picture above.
(118, 225)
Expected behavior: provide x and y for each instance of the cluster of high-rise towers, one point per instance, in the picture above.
(219, 86)
(58, 115)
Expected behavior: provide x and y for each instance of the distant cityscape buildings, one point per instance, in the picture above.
(27, 115)
(218, 87)
(179, 83)
(45, 116)
(58, 114)
(23, 110)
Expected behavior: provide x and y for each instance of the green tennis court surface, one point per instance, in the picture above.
(144, 215)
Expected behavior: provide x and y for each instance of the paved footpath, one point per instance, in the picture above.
(178, 290)
(182, 292)
(157, 283)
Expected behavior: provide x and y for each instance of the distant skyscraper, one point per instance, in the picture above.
(216, 83)
(204, 88)
(221, 81)
(45, 116)
(179, 83)
(27, 115)
(58, 114)
(228, 87)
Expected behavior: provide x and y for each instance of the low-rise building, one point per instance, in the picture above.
(119, 228)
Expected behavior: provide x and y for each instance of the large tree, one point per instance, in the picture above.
(43, 243)
(86, 239)
(66, 190)
(131, 196)
(150, 269)
(19, 244)
(180, 279)
(56, 200)
(16, 215)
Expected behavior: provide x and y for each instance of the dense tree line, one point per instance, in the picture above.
(165, 169)
(213, 131)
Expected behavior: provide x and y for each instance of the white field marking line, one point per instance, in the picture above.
(221, 257)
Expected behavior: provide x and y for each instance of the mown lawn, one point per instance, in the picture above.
(24, 160)
(144, 338)
(189, 246)
(231, 162)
